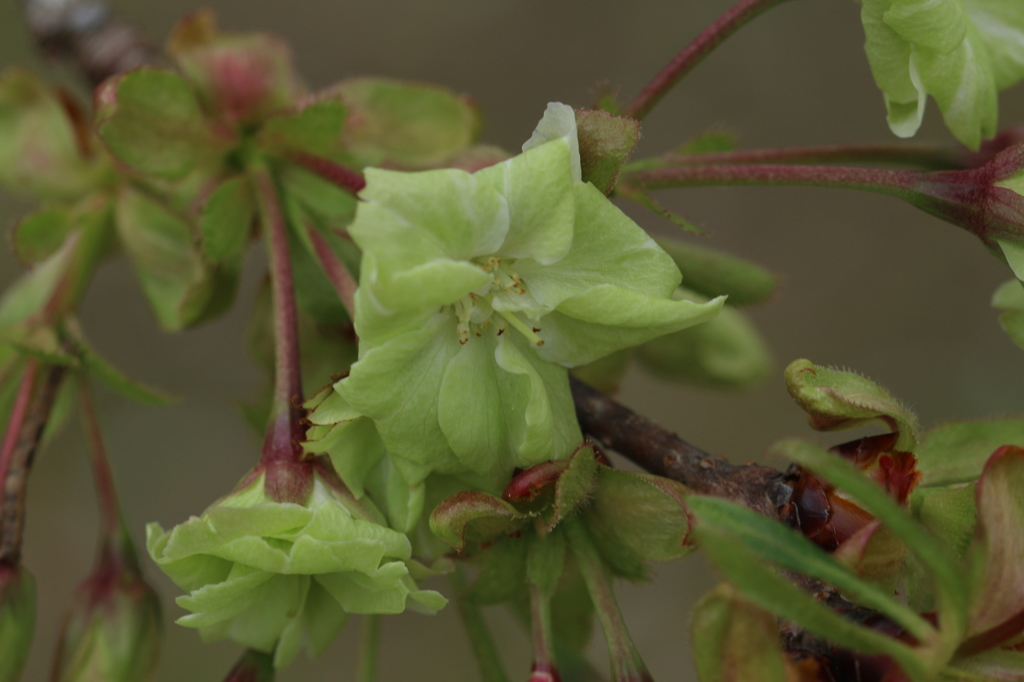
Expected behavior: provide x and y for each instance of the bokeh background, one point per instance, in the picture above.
(869, 283)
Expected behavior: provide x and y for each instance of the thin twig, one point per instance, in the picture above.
(693, 54)
(29, 435)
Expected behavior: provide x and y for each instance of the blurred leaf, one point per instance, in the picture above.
(997, 555)
(766, 589)
(725, 352)
(957, 452)
(152, 120)
(181, 288)
(112, 377)
(545, 560)
(605, 374)
(316, 129)
(32, 290)
(502, 575)
(241, 77)
(711, 272)
(734, 641)
(46, 148)
(605, 143)
(40, 234)
(405, 124)
(226, 221)
(949, 584)
(775, 543)
(711, 142)
(991, 666)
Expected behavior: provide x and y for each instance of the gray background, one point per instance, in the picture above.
(868, 282)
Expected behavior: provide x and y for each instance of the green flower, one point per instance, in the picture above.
(961, 52)
(478, 291)
(274, 576)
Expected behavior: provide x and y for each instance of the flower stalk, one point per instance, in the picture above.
(626, 663)
(484, 649)
(289, 477)
(693, 54)
(345, 178)
(544, 668)
(369, 645)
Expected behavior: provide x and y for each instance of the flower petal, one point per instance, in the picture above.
(606, 318)
(538, 187)
(608, 248)
(405, 412)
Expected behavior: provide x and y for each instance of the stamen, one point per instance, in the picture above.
(522, 328)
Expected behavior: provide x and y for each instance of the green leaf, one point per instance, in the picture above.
(949, 584)
(604, 374)
(46, 148)
(997, 555)
(637, 518)
(240, 77)
(711, 142)
(713, 273)
(605, 142)
(644, 199)
(115, 380)
(1009, 296)
(838, 399)
(766, 589)
(154, 123)
(40, 234)
(405, 124)
(475, 516)
(774, 543)
(545, 561)
(990, 666)
(724, 352)
(315, 129)
(226, 221)
(957, 452)
(181, 288)
(575, 485)
(502, 571)
(734, 641)
(32, 290)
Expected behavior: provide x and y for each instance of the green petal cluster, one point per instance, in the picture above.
(961, 52)
(478, 291)
(276, 576)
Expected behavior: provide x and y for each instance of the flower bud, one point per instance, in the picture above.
(112, 630)
(17, 619)
(254, 666)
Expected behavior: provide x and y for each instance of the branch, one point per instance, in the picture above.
(662, 452)
(24, 445)
(87, 34)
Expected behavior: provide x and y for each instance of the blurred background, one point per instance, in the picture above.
(868, 283)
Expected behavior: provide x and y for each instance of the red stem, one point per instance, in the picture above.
(105, 491)
(924, 156)
(289, 477)
(343, 177)
(17, 421)
(694, 53)
(336, 271)
(899, 183)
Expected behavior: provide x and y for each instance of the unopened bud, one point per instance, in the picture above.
(112, 630)
(254, 666)
(17, 619)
